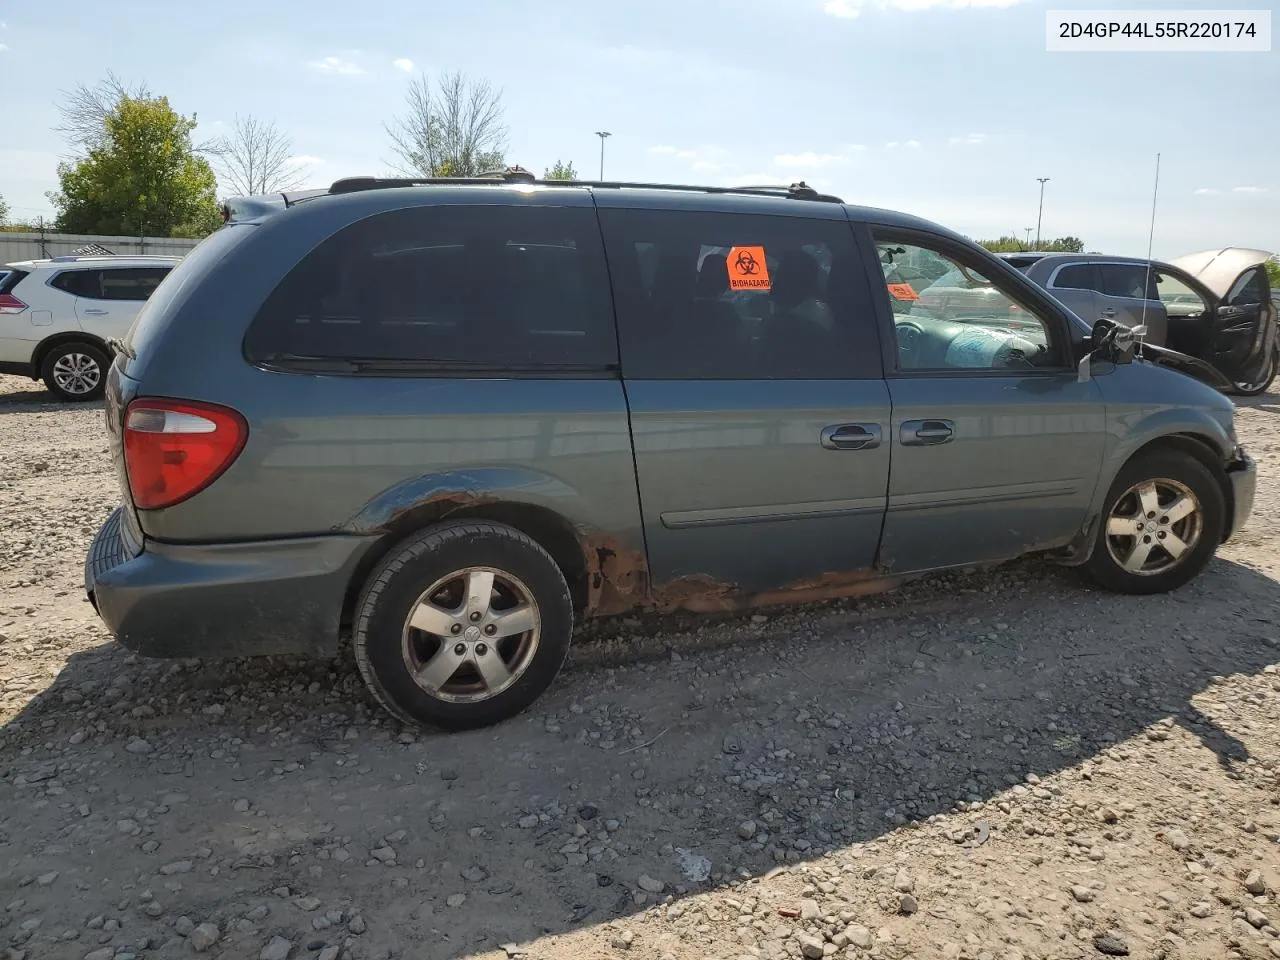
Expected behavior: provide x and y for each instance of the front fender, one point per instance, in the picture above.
(1147, 405)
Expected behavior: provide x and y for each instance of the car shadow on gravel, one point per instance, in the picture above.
(740, 745)
(37, 399)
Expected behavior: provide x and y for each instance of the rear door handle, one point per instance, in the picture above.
(926, 433)
(96, 313)
(851, 436)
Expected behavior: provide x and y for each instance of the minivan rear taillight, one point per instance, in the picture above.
(11, 304)
(173, 449)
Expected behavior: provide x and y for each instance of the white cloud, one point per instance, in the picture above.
(806, 159)
(856, 148)
(303, 160)
(891, 145)
(845, 9)
(404, 63)
(972, 139)
(850, 9)
(664, 149)
(336, 65)
(913, 144)
(1248, 189)
(3, 47)
(1207, 191)
(706, 165)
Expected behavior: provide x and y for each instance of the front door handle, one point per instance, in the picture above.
(96, 313)
(851, 436)
(1109, 312)
(926, 433)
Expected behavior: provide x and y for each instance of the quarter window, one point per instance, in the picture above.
(950, 315)
(704, 296)
(1076, 276)
(486, 286)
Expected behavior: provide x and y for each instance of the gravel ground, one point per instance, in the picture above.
(1000, 765)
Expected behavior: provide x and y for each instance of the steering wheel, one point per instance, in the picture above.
(910, 338)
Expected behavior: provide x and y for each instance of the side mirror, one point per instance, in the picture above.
(1110, 342)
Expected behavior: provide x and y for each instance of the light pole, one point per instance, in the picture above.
(1040, 215)
(1028, 229)
(602, 134)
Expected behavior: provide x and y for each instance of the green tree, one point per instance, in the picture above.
(4, 211)
(1011, 244)
(143, 176)
(561, 171)
(1273, 272)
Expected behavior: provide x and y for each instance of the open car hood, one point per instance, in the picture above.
(1218, 269)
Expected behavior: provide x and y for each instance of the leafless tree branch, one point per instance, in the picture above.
(84, 110)
(455, 131)
(255, 158)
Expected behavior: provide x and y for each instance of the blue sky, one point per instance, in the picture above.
(945, 108)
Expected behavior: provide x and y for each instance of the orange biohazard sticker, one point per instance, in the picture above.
(748, 269)
(903, 291)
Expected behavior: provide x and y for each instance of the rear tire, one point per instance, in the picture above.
(1161, 523)
(463, 626)
(75, 372)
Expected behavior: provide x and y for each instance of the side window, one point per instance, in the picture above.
(487, 285)
(1133, 281)
(1179, 299)
(949, 315)
(131, 283)
(1250, 288)
(1075, 276)
(79, 283)
(728, 296)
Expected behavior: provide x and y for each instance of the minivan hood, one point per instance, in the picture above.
(1218, 269)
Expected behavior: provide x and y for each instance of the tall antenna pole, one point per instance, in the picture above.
(1151, 239)
(1040, 215)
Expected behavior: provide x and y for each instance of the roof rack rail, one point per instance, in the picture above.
(794, 191)
(507, 175)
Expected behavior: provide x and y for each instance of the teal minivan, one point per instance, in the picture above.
(450, 419)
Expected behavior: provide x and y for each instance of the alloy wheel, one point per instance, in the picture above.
(77, 373)
(471, 635)
(1153, 526)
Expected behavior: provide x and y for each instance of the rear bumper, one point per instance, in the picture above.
(222, 600)
(1242, 471)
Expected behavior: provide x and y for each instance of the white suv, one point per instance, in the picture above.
(57, 316)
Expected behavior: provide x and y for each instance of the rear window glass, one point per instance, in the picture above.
(131, 283)
(79, 283)
(487, 286)
(705, 296)
(1133, 281)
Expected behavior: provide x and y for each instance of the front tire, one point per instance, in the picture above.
(463, 626)
(75, 372)
(1265, 378)
(1163, 519)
